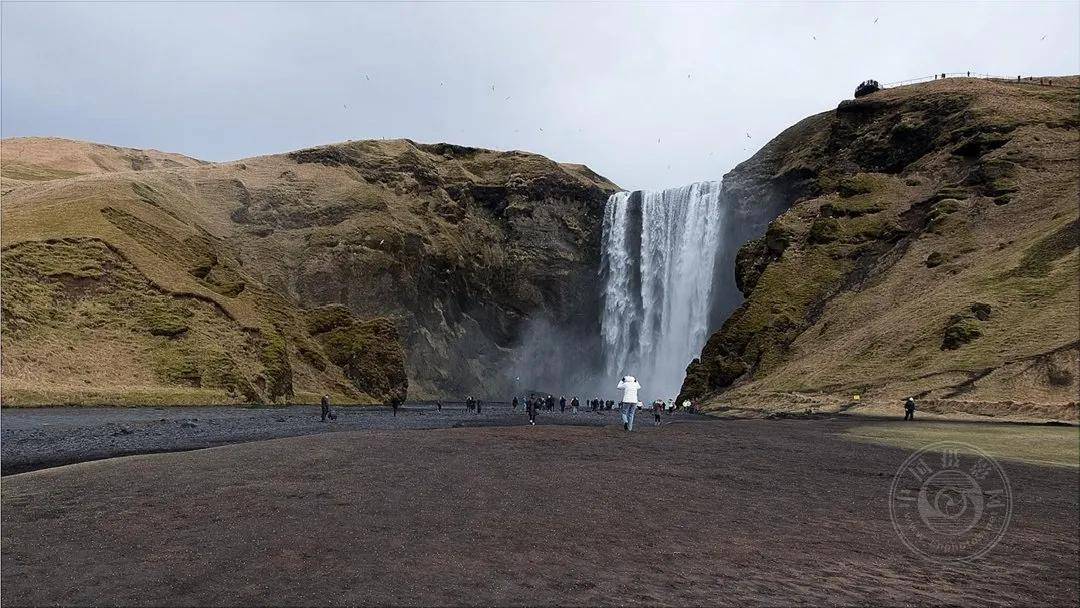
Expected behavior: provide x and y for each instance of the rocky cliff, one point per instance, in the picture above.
(924, 243)
(359, 268)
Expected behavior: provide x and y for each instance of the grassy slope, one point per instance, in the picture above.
(914, 205)
(26, 160)
(115, 292)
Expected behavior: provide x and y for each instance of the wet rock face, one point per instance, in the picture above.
(461, 246)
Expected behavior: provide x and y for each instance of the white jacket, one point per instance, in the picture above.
(629, 386)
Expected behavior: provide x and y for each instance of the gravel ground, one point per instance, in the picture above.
(752, 512)
(35, 438)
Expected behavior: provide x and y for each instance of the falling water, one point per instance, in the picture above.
(659, 253)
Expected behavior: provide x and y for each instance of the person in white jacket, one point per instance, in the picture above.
(629, 386)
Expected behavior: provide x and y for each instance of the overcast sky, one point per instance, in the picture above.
(650, 95)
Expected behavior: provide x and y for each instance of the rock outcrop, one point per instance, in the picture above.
(903, 218)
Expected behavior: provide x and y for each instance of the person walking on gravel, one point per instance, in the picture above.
(530, 407)
(657, 407)
(562, 403)
(325, 406)
(630, 387)
(574, 403)
(909, 409)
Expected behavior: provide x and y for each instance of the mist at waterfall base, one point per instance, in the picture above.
(666, 281)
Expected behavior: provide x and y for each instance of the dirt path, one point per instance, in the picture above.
(694, 513)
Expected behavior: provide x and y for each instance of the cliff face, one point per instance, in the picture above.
(926, 244)
(363, 269)
(461, 246)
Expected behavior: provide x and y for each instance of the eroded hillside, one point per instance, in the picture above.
(359, 269)
(927, 247)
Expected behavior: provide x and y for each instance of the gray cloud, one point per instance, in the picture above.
(649, 95)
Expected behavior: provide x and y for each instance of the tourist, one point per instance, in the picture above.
(562, 403)
(438, 404)
(325, 402)
(550, 403)
(593, 403)
(610, 404)
(574, 403)
(909, 409)
(469, 403)
(478, 402)
(689, 407)
(657, 406)
(629, 386)
(394, 404)
(514, 404)
(530, 407)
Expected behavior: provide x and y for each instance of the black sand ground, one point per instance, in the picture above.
(36, 438)
(692, 513)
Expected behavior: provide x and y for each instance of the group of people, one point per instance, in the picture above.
(473, 405)
(626, 407)
(534, 403)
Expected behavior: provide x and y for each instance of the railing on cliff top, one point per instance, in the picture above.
(1017, 80)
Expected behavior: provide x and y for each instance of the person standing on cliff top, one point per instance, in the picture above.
(630, 387)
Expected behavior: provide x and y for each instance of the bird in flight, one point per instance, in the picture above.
(875, 19)
(814, 37)
(1043, 38)
(748, 135)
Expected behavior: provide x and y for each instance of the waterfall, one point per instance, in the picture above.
(657, 271)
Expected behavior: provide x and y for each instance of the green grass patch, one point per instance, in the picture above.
(33, 173)
(1045, 445)
(1039, 258)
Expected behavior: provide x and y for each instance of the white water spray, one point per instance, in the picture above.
(659, 255)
